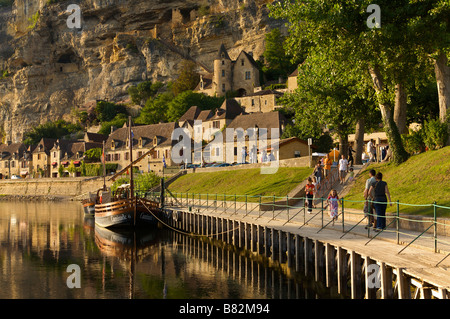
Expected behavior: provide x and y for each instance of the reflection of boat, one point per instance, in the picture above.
(89, 206)
(124, 244)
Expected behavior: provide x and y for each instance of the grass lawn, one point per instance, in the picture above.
(242, 182)
(422, 180)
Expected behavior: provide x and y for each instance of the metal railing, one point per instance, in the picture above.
(294, 211)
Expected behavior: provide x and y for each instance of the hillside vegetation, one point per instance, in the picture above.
(421, 180)
(242, 182)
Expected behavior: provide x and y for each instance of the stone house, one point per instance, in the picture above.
(41, 158)
(261, 101)
(144, 138)
(240, 75)
(294, 147)
(292, 81)
(257, 122)
(10, 155)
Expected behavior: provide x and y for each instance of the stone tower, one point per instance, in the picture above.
(222, 81)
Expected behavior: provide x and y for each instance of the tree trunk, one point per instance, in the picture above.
(395, 141)
(359, 141)
(343, 145)
(442, 71)
(400, 108)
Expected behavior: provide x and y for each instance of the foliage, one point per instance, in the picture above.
(92, 169)
(107, 111)
(4, 74)
(6, 3)
(57, 129)
(183, 101)
(93, 155)
(277, 61)
(435, 134)
(146, 181)
(413, 142)
(155, 109)
(34, 20)
(61, 171)
(140, 93)
(187, 79)
(118, 121)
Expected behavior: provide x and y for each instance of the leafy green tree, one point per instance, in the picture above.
(187, 79)
(118, 121)
(183, 101)
(338, 30)
(140, 93)
(155, 109)
(107, 111)
(57, 129)
(93, 155)
(277, 62)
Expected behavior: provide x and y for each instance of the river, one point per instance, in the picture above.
(50, 250)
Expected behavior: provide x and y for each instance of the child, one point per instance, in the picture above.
(351, 174)
(333, 204)
(310, 190)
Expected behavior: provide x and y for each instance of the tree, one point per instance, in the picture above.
(187, 79)
(338, 30)
(140, 93)
(107, 111)
(57, 129)
(277, 62)
(155, 109)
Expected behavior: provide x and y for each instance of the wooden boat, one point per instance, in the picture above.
(131, 211)
(124, 208)
(88, 207)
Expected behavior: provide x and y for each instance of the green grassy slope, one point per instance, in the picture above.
(242, 182)
(421, 180)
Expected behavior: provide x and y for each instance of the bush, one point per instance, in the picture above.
(413, 142)
(435, 134)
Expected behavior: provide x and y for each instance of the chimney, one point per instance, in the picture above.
(112, 128)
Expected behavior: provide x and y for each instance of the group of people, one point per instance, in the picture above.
(371, 151)
(376, 193)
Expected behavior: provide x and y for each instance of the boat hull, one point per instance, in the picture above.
(122, 213)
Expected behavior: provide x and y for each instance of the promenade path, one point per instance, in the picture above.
(418, 260)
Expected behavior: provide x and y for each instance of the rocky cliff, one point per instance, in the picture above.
(53, 69)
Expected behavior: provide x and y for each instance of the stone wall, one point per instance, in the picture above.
(60, 187)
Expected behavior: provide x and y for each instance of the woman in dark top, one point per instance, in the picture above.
(382, 195)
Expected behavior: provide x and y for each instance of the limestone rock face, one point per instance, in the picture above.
(53, 69)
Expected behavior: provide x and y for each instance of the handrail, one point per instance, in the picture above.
(281, 207)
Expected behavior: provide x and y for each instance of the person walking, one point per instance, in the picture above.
(369, 209)
(318, 174)
(327, 162)
(382, 195)
(343, 166)
(333, 204)
(309, 190)
(350, 156)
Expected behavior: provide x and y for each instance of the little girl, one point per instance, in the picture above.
(333, 203)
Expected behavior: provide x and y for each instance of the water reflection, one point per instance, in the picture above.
(39, 240)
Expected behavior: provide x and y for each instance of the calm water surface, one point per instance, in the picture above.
(39, 240)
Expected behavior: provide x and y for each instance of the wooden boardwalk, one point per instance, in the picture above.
(414, 272)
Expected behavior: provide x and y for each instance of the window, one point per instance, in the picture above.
(216, 124)
(223, 73)
(127, 156)
(242, 62)
(39, 156)
(296, 153)
(223, 61)
(248, 75)
(253, 102)
(223, 87)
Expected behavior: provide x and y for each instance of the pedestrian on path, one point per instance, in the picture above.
(333, 204)
(327, 162)
(350, 156)
(318, 172)
(343, 166)
(369, 209)
(382, 196)
(309, 190)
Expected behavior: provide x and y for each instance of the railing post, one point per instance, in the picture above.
(235, 203)
(245, 204)
(435, 226)
(273, 207)
(322, 210)
(343, 226)
(287, 206)
(259, 206)
(398, 222)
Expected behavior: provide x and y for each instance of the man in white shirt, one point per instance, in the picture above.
(343, 166)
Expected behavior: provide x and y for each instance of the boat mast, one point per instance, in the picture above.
(104, 168)
(133, 198)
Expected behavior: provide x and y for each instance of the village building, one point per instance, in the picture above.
(260, 123)
(145, 137)
(11, 154)
(261, 101)
(292, 83)
(240, 75)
